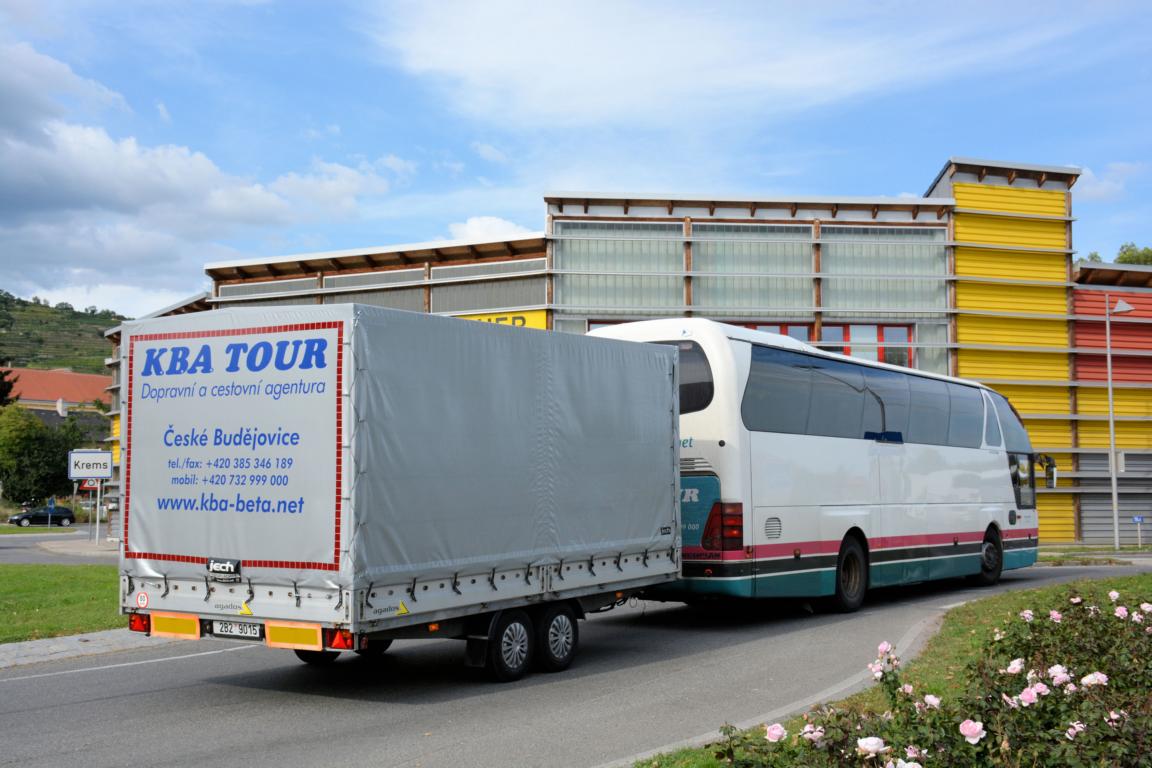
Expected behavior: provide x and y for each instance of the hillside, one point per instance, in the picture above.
(34, 335)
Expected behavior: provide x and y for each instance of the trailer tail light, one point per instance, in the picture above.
(339, 639)
(140, 622)
(724, 530)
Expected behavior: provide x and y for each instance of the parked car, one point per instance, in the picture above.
(40, 516)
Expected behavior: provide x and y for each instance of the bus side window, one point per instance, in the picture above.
(885, 401)
(1023, 479)
(779, 392)
(928, 411)
(965, 416)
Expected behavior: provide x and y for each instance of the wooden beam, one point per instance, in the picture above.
(941, 211)
(472, 252)
(980, 176)
(712, 208)
(334, 264)
(626, 206)
(875, 211)
(370, 260)
(1011, 177)
(560, 205)
(585, 205)
(752, 211)
(403, 257)
(671, 205)
(272, 270)
(915, 212)
(302, 266)
(795, 207)
(835, 209)
(1043, 177)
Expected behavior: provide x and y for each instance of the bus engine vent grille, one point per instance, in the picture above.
(695, 465)
(772, 528)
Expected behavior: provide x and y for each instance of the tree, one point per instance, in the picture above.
(34, 457)
(6, 386)
(1130, 254)
(1093, 257)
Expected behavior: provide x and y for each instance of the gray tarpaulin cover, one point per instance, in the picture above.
(467, 446)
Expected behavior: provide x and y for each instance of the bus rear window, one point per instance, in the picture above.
(696, 385)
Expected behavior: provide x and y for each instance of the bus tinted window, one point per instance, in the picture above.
(1015, 436)
(885, 401)
(779, 390)
(927, 411)
(837, 399)
(696, 387)
(991, 426)
(965, 416)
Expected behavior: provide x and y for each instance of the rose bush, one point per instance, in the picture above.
(1075, 690)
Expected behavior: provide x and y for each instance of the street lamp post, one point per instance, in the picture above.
(1120, 308)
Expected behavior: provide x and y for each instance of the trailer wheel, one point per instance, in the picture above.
(557, 636)
(511, 643)
(316, 658)
(851, 576)
(376, 647)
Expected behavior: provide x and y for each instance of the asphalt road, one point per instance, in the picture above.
(24, 548)
(647, 675)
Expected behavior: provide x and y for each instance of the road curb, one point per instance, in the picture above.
(73, 646)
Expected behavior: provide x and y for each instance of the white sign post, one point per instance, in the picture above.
(91, 465)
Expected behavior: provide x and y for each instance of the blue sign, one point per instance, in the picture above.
(1138, 518)
(51, 503)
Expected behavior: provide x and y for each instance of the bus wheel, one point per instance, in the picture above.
(851, 576)
(991, 560)
(556, 639)
(317, 658)
(511, 644)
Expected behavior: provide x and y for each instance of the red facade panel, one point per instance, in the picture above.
(1124, 335)
(1086, 302)
(1094, 368)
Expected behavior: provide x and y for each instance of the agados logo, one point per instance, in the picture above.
(300, 354)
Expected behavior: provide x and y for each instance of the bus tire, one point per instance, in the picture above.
(851, 576)
(511, 646)
(316, 658)
(557, 636)
(991, 560)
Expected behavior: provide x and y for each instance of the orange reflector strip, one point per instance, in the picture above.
(184, 626)
(284, 634)
(433, 627)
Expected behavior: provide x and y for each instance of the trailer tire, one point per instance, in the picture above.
(511, 646)
(376, 647)
(557, 636)
(317, 658)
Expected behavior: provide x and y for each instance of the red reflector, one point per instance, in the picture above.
(724, 529)
(339, 639)
(140, 622)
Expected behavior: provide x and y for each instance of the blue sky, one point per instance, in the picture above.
(139, 141)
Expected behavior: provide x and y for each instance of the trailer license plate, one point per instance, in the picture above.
(236, 629)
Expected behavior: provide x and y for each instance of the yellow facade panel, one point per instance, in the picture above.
(1036, 399)
(1011, 265)
(1049, 434)
(1129, 434)
(114, 426)
(996, 230)
(1126, 402)
(1012, 298)
(1011, 331)
(523, 318)
(990, 364)
(992, 197)
(1057, 512)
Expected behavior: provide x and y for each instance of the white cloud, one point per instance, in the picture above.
(327, 132)
(162, 110)
(397, 165)
(489, 152)
(331, 188)
(485, 228)
(1109, 185)
(523, 63)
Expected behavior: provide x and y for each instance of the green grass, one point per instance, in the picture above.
(38, 601)
(8, 528)
(940, 666)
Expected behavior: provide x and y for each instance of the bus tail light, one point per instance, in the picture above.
(140, 622)
(724, 530)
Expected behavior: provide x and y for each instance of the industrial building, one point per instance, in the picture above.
(977, 278)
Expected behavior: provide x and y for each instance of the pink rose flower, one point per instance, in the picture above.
(1011, 701)
(1095, 678)
(1059, 674)
(813, 733)
(1028, 696)
(1015, 667)
(884, 649)
(1055, 616)
(1076, 600)
(1070, 689)
(1138, 618)
(1121, 612)
(871, 746)
(913, 752)
(1146, 607)
(972, 731)
(1027, 615)
(877, 670)
(906, 689)
(1041, 689)
(1113, 595)
(774, 732)
(1074, 728)
(932, 701)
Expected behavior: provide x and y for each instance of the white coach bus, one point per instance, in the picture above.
(807, 474)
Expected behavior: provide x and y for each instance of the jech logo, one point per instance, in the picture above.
(224, 570)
